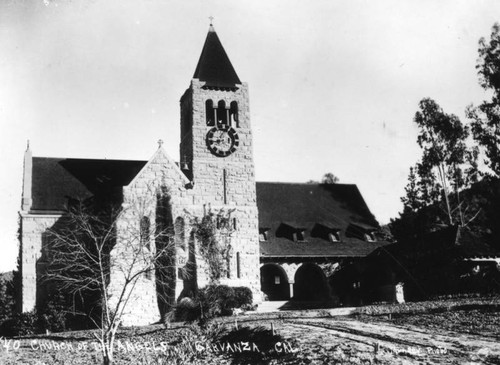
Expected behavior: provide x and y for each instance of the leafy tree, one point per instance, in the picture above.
(413, 199)
(329, 178)
(435, 184)
(486, 117)
(448, 164)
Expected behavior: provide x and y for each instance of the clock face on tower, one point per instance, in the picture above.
(222, 140)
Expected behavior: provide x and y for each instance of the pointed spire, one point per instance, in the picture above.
(27, 177)
(214, 66)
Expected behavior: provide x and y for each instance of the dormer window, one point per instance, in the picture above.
(291, 231)
(370, 237)
(298, 235)
(326, 231)
(333, 236)
(362, 231)
(263, 234)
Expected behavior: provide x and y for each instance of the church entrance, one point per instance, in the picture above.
(274, 282)
(310, 283)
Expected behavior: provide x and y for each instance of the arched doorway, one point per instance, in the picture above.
(274, 282)
(310, 283)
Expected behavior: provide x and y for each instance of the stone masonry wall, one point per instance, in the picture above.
(33, 228)
(140, 200)
(209, 190)
(225, 183)
(207, 168)
(244, 245)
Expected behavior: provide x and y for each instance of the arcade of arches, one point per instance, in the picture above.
(303, 282)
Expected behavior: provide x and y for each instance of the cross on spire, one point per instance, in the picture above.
(211, 19)
(160, 143)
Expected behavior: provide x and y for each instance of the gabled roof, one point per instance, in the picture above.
(300, 206)
(56, 179)
(305, 205)
(214, 66)
(98, 174)
(160, 156)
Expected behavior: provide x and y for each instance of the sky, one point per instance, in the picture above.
(334, 85)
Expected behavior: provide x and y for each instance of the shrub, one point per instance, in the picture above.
(242, 296)
(24, 324)
(53, 315)
(221, 300)
(187, 310)
(213, 301)
(6, 299)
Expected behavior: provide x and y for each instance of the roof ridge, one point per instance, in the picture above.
(300, 183)
(88, 159)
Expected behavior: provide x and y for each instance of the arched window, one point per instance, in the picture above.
(180, 232)
(238, 265)
(144, 236)
(145, 232)
(233, 112)
(222, 113)
(210, 113)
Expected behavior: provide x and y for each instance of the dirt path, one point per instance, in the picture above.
(301, 340)
(351, 341)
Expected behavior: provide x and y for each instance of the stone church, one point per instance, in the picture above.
(287, 241)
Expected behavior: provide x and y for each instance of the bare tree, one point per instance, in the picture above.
(107, 251)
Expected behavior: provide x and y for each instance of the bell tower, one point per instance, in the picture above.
(216, 153)
(216, 137)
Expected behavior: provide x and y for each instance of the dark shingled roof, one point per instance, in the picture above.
(334, 206)
(98, 174)
(56, 179)
(283, 207)
(214, 66)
